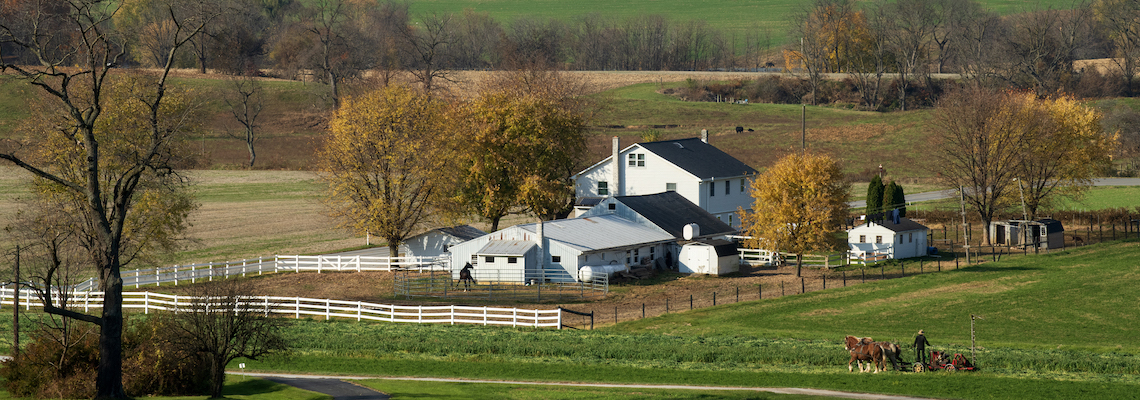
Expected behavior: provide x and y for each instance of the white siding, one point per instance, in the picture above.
(915, 247)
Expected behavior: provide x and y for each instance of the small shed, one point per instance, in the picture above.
(436, 242)
(1044, 233)
(896, 237)
(712, 257)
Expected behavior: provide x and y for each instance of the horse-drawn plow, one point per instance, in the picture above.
(877, 354)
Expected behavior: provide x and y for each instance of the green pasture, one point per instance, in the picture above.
(861, 140)
(1095, 198)
(734, 17)
(239, 388)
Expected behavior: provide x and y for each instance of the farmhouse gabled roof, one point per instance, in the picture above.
(671, 211)
(598, 233)
(701, 159)
(904, 225)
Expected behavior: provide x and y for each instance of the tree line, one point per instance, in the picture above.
(911, 39)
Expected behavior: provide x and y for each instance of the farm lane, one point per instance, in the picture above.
(950, 193)
(332, 386)
(799, 391)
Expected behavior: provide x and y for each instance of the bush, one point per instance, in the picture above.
(153, 364)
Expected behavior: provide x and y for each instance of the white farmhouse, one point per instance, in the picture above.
(891, 237)
(702, 173)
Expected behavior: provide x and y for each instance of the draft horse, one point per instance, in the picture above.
(465, 277)
(864, 349)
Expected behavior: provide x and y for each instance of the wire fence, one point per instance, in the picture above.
(500, 285)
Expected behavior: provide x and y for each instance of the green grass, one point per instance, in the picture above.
(776, 129)
(241, 388)
(1096, 198)
(730, 16)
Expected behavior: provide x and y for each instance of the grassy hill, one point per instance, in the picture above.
(731, 16)
(1056, 326)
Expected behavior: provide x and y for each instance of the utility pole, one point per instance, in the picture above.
(965, 228)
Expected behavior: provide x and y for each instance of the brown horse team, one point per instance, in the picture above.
(874, 353)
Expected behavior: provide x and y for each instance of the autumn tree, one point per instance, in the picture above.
(800, 203)
(528, 136)
(109, 166)
(1064, 149)
(387, 162)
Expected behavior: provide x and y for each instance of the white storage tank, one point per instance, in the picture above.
(691, 231)
(590, 272)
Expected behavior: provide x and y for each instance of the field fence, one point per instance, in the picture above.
(811, 280)
(297, 307)
(501, 285)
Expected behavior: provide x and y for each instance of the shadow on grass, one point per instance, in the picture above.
(247, 386)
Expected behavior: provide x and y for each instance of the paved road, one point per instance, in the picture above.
(951, 193)
(813, 392)
(336, 387)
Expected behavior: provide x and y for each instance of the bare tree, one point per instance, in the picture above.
(428, 48)
(245, 100)
(77, 48)
(1043, 45)
(224, 321)
(1121, 18)
(908, 34)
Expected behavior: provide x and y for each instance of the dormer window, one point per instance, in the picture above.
(637, 160)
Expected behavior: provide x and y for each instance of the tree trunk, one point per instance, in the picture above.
(109, 382)
(217, 376)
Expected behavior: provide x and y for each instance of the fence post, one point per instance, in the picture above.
(714, 298)
(738, 294)
(803, 287)
(643, 310)
(690, 302)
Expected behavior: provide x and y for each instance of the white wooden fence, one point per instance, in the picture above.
(264, 265)
(755, 256)
(328, 309)
(868, 257)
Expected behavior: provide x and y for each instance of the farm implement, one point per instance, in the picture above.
(940, 360)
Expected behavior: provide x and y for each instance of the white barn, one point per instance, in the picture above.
(702, 173)
(514, 254)
(895, 238)
(435, 242)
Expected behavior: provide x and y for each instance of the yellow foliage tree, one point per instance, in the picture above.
(521, 153)
(387, 162)
(799, 205)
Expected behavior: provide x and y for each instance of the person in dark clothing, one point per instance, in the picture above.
(920, 344)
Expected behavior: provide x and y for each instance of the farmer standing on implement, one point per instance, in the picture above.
(920, 344)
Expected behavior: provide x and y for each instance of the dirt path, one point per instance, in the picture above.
(325, 385)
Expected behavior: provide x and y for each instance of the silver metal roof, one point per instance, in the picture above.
(598, 233)
(506, 248)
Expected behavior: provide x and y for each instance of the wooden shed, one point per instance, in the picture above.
(1044, 233)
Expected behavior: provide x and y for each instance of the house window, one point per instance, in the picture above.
(729, 217)
(862, 238)
(727, 188)
(910, 238)
(900, 239)
(636, 160)
(878, 239)
(512, 260)
(712, 189)
(489, 259)
(651, 255)
(627, 257)
(556, 259)
(613, 206)
(603, 188)
(670, 187)
(741, 186)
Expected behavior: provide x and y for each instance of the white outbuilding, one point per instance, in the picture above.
(435, 242)
(712, 257)
(892, 237)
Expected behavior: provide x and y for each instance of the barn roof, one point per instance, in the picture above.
(671, 211)
(463, 232)
(701, 159)
(598, 233)
(506, 248)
